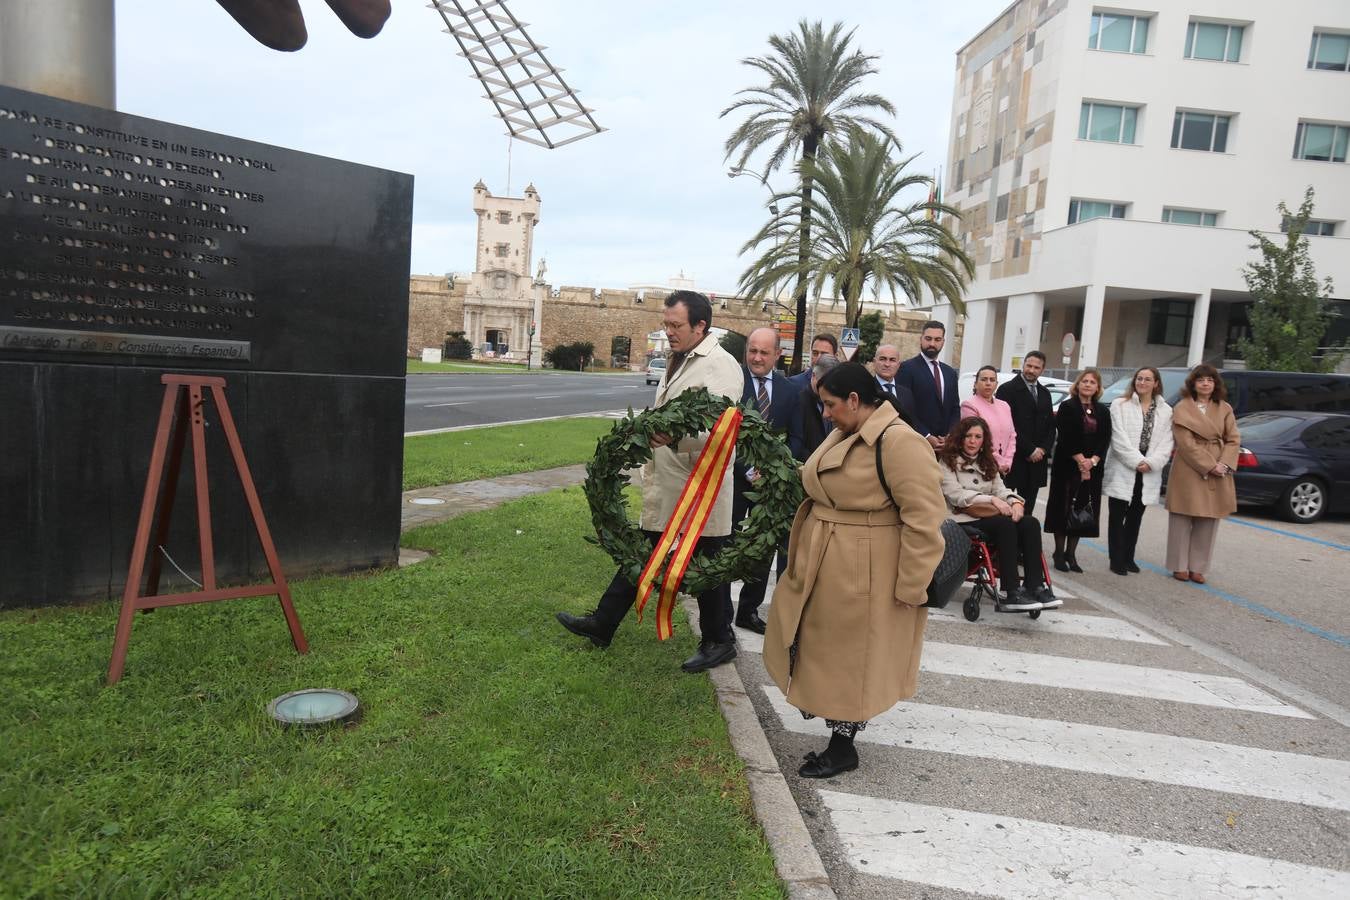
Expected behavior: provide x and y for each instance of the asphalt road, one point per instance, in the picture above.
(448, 401)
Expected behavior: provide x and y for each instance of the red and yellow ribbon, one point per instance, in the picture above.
(691, 514)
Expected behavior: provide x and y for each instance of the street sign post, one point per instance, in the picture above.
(848, 342)
(1066, 347)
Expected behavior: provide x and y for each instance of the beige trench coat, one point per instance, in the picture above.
(857, 573)
(1203, 439)
(664, 475)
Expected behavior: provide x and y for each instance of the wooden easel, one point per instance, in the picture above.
(185, 393)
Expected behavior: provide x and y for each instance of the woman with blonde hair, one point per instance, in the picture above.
(1200, 491)
(1084, 426)
(1141, 444)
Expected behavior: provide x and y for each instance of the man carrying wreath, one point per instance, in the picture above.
(696, 360)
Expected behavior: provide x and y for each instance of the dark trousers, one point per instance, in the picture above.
(1019, 480)
(753, 588)
(1013, 541)
(621, 594)
(1123, 519)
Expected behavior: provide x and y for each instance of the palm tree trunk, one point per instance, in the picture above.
(809, 145)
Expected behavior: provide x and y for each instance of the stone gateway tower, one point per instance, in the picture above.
(503, 300)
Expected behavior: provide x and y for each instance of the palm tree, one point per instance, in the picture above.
(866, 234)
(811, 95)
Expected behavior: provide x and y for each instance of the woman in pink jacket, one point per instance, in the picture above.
(997, 413)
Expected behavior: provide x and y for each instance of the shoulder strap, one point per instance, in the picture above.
(881, 468)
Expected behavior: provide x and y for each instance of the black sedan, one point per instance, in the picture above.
(1298, 462)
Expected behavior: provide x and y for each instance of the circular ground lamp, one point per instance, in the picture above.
(315, 706)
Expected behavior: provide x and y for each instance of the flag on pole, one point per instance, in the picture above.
(932, 196)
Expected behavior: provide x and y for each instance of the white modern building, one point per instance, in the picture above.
(1108, 163)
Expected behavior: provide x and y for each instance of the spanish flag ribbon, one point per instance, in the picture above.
(691, 514)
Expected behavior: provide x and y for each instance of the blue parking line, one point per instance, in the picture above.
(1251, 605)
(1293, 534)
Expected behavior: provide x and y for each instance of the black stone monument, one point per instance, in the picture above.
(131, 247)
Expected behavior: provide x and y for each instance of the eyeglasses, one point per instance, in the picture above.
(674, 326)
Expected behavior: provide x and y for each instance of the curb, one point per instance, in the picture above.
(794, 854)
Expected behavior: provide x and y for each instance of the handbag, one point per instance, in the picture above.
(951, 569)
(1079, 519)
(981, 510)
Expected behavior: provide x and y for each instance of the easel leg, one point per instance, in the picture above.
(198, 418)
(138, 547)
(255, 508)
(175, 462)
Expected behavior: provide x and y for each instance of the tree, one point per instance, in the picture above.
(456, 346)
(1291, 310)
(811, 95)
(734, 343)
(870, 330)
(866, 232)
(570, 356)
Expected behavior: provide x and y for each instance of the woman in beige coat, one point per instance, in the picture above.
(846, 626)
(1200, 490)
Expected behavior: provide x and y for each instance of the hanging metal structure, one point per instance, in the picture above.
(527, 90)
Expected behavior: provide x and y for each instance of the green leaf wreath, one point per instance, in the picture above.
(777, 493)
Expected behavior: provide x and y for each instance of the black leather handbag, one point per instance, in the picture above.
(1079, 519)
(951, 569)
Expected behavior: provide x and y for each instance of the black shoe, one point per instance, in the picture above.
(1132, 566)
(588, 627)
(1018, 600)
(750, 622)
(710, 654)
(1061, 564)
(829, 764)
(1046, 597)
(1073, 564)
(1119, 570)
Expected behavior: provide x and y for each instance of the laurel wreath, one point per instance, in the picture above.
(776, 493)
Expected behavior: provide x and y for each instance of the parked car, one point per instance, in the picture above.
(655, 370)
(1255, 391)
(1298, 462)
(1058, 387)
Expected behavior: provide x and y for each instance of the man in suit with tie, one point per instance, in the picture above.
(821, 344)
(778, 401)
(1034, 420)
(885, 365)
(933, 384)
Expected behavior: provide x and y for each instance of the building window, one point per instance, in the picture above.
(1330, 52)
(1200, 131)
(1169, 322)
(1001, 208)
(1107, 122)
(1326, 143)
(504, 218)
(1189, 217)
(1082, 210)
(1316, 227)
(1214, 40)
(1122, 34)
(503, 250)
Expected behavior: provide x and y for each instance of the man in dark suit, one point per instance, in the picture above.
(1034, 419)
(821, 344)
(937, 408)
(814, 424)
(779, 401)
(886, 364)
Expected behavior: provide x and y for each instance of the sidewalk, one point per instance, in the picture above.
(795, 856)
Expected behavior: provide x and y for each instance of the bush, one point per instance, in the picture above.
(574, 357)
(456, 346)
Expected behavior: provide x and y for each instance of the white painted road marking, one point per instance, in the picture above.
(456, 403)
(549, 397)
(1055, 622)
(1161, 758)
(1105, 677)
(1001, 856)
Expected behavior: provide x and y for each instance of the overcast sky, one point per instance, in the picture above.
(637, 204)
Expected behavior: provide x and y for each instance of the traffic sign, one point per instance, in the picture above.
(848, 342)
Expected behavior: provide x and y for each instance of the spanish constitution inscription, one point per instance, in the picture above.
(130, 247)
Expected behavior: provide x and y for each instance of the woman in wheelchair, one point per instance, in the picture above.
(977, 497)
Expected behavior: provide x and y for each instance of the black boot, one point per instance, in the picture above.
(588, 626)
(1061, 564)
(710, 654)
(839, 757)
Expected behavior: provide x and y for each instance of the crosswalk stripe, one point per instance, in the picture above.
(1112, 678)
(1002, 856)
(1232, 769)
(1055, 622)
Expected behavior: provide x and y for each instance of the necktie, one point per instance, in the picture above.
(762, 398)
(937, 376)
(890, 388)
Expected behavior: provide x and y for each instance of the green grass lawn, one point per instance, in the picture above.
(432, 459)
(498, 755)
(416, 366)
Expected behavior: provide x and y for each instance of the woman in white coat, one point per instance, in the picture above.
(1141, 444)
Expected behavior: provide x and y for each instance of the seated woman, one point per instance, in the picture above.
(976, 495)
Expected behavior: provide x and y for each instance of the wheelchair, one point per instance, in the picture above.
(983, 572)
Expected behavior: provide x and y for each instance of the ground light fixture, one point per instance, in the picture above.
(314, 706)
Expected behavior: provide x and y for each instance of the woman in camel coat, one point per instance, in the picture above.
(846, 627)
(1200, 490)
